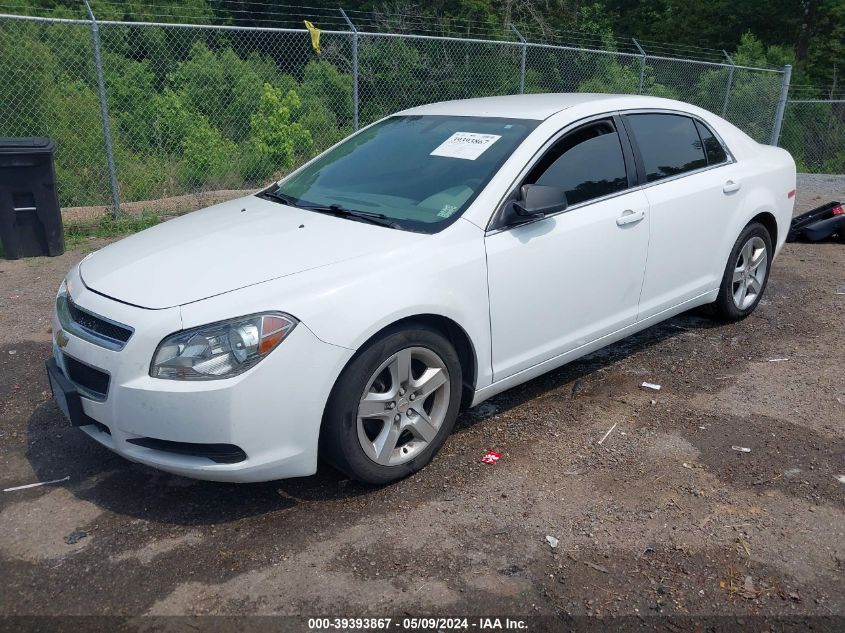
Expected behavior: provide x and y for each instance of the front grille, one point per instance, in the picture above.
(218, 453)
(91, 380)
(98, 325)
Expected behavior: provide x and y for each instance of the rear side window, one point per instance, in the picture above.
(669, 144)
(587, 163)
(716, 154)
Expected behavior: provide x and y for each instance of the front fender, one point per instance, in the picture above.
(347, 303)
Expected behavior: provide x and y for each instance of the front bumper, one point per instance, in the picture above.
(272, 412)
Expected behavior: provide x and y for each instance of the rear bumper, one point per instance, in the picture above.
(271, 413)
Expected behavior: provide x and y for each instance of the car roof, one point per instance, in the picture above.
(540, 106)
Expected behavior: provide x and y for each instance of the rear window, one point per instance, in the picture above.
(716, 154)
(669, 144)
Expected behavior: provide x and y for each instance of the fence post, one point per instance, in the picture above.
(354, 68)
(784, 93)
(524, 48)
(642, 65)
(730, 83)
(104, 112)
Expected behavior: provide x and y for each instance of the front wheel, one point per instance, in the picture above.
(746, 273)
(393, 406)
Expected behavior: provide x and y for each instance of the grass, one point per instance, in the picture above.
(109, 226)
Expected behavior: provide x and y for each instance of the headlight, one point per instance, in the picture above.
(220, 350)
(65, 289)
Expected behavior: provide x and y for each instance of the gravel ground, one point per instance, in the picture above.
(662, 518)
(816, 189)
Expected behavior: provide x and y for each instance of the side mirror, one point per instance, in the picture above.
(537, 201)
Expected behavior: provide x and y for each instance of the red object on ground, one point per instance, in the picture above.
(491, 457)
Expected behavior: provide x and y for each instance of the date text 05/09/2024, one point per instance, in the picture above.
(417, 624)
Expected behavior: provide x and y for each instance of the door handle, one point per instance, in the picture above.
(630, 217)
(731, 186)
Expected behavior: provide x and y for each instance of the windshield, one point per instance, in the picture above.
(420, 172)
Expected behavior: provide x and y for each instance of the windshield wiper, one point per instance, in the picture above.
(332, 209)
(342, 212)
(281, 197)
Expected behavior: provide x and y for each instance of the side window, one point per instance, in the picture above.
(669, 144)
(716, 154)
(586, 163)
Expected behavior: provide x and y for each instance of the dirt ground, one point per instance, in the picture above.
(166, 207)
(663, 517)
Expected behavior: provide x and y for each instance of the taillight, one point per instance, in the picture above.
(838, 210)
(790, 194)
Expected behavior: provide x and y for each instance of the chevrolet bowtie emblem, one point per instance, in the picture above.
(61, 338)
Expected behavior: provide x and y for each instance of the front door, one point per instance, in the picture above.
(561, 282)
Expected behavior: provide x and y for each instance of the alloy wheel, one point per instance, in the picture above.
(403, 406)
(749, 274)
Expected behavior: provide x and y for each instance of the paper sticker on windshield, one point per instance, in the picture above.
(466, 145)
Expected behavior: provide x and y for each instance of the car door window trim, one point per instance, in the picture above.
(659, 141)
(643, 183)
(629, 144)
(701, 124)
(628, 154)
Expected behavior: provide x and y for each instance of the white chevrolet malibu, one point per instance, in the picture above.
(433, 259)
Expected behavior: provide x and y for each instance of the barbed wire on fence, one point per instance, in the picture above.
(194, 107)
(406, 21)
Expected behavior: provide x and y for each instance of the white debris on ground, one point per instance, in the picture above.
(609, 431)
(36, 485)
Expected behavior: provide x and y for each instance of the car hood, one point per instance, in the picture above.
(226, 247)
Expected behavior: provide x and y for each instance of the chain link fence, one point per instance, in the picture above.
(47, 80)
(814, 133)
(199, 112)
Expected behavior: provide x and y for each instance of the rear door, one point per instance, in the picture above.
(693, 188)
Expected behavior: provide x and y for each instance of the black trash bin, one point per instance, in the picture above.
(30, 218)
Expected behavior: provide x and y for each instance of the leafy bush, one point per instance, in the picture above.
(73, 120)
(207, 154)
(277, 139)
(129, 86)
(324, 85)
(224, 87)
(171, 120)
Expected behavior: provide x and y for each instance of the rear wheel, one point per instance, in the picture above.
(393, 406)
(746, 274)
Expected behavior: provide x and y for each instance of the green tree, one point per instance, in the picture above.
(224, 87)
(323, 83)
(129, 85)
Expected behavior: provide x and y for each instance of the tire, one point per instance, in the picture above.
(732, 304)
(359, 444)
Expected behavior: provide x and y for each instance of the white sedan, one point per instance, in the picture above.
(431, 260)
